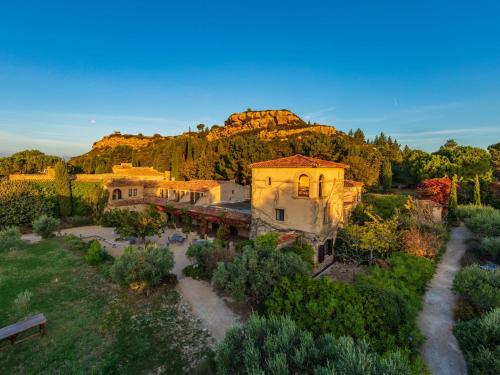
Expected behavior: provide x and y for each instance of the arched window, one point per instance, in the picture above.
(117, 194)
(303, 189)
(320, 186)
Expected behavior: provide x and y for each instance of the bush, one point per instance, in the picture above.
(45, 226)
(304, 251)
(22, 305)
(10, 239)
(254, 273)
(21, 203)
(379, 316)
(365, 243)
(407, 275)
(490, 249)
(479, 287)
(479, 340)
(385, 205)
(276, 345)
(95, 254)
(74, 243)
(419, 243)
(465, 211)
(143, 265)
(486, 223)
(206, 256)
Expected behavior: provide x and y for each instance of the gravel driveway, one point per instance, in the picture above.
(441, 352)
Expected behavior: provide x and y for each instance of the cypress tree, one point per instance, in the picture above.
(63, 189)
(477, 191)
(175, 166)
(453, 202)
(387, 175)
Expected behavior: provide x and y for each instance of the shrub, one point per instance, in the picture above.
(406, 275)
(479, 287)
(385, 205)
(95, 254)
(490, 249)
(254, 272)
(21, 203)
(143, 265)
(486, 223)
(10, 239)
(419, 243)
(304, 251)
(379, 316)
(362, 243)
(276, 345)
(22, 305)
(74, 243)
(465, 211)
(45, 226)
(206, 256)
(479, 340)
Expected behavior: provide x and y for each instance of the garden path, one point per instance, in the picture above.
(441, 352)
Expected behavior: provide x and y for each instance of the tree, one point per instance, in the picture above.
(257, 269)
(453, 202)
(477, 191)
(21, 203)
(437, 190)
(63, 189)
(275, 345)
(139, 224)
(387, 175)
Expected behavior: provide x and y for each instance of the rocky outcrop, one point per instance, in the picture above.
(133, 141)
(269, 124)
(263, 119)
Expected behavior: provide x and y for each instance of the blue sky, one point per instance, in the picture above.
(421, 71)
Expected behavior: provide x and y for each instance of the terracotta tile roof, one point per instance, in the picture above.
(298, 161)
(285, 238)
(118, 182)
(194, 185)
(351, 183)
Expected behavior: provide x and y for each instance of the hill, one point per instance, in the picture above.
(224, 152)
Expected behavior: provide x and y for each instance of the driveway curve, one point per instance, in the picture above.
(441, 352)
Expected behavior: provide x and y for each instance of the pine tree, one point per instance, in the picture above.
(387, 175)
(453, 202)
(63, 189)
(477, 191)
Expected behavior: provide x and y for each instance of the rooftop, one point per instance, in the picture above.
(298, 161)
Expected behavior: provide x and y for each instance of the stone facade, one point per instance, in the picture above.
(304, 195)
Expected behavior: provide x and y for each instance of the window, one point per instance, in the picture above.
(117, 194)
(280, 214)
(132, 192)
(326, 216)
(320, 186)
(232, 191)
(303, 189)
(269, 181)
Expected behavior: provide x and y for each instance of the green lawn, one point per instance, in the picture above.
(93, 325)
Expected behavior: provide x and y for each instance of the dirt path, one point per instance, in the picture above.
(210, 308)
(440, 352)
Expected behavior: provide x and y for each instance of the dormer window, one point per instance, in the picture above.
(303, 188)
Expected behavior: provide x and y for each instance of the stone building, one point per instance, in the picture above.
(304, 195)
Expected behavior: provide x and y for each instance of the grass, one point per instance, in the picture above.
(93, 325)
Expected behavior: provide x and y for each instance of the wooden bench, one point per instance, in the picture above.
(12, 332)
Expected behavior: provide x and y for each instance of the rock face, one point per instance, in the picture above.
(263, 119)
(133, 141)
(268, 124)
